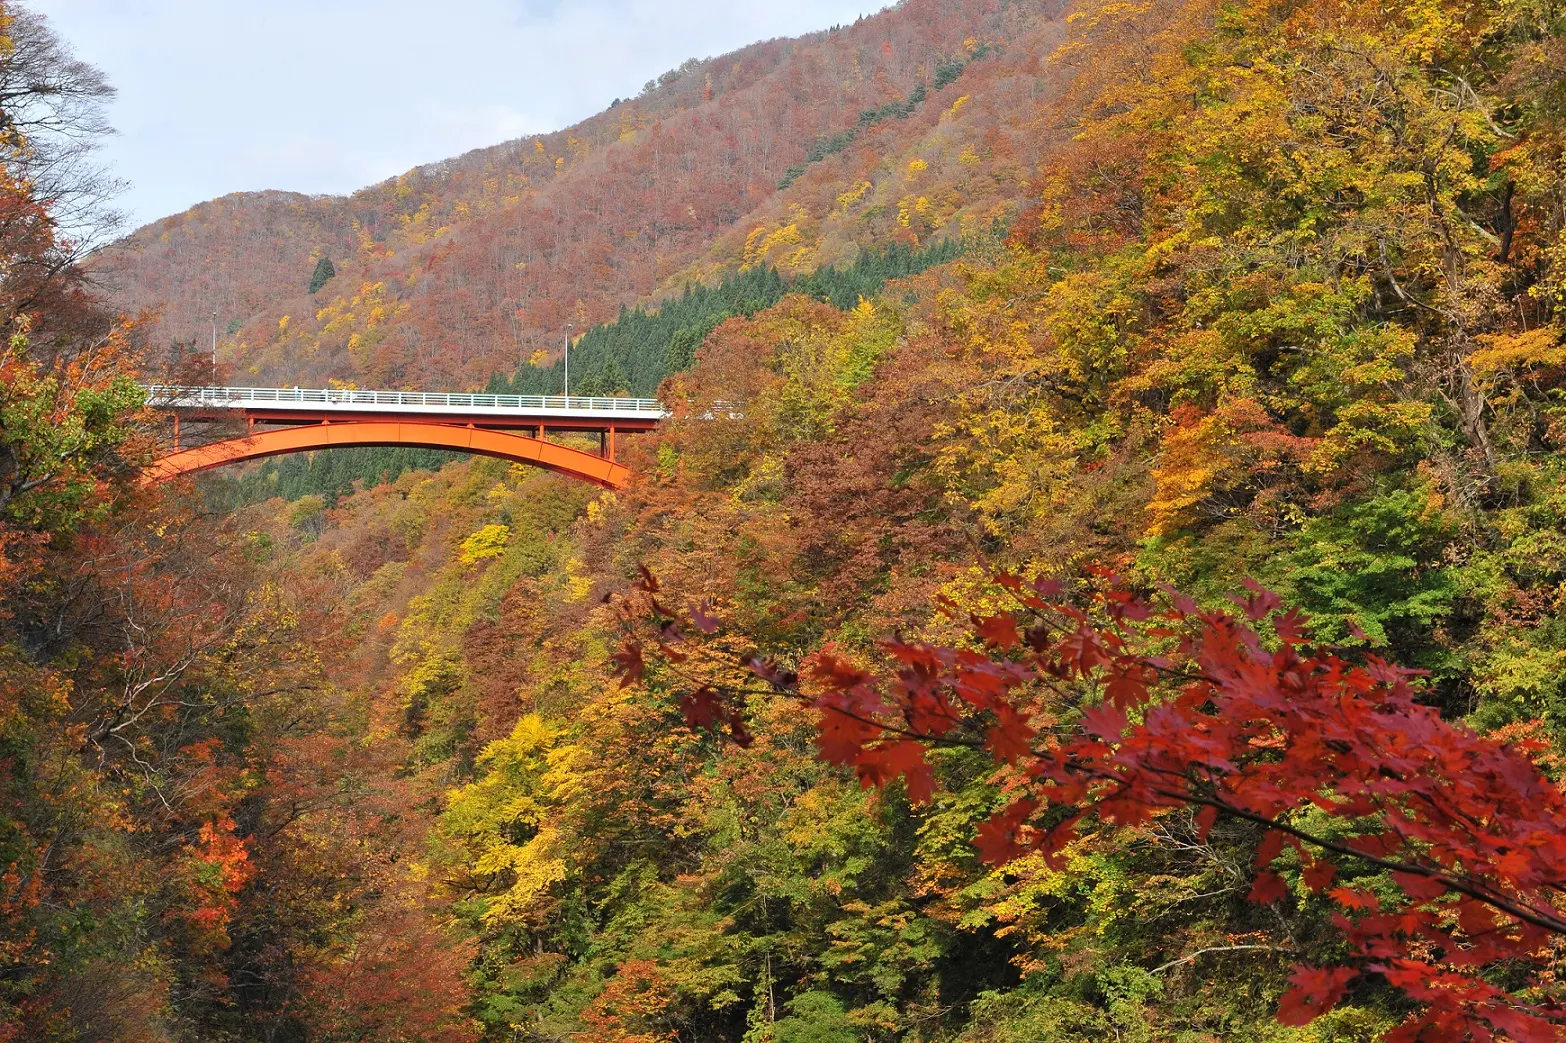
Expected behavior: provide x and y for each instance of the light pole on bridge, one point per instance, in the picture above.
(569, 327)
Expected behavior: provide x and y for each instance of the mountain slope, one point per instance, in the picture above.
(920, 121)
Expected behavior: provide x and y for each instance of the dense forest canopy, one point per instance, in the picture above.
(1104, 575)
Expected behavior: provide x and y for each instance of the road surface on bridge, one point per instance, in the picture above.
(306, 419)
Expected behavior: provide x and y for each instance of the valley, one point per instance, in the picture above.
(1097, 571)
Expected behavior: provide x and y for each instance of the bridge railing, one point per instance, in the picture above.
(170, 395)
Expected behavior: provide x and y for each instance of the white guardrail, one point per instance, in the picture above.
(171, 396)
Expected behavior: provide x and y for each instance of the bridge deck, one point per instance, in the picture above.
(314, 405)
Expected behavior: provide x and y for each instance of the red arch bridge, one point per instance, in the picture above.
(295, 420)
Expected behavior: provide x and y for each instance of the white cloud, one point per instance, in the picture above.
(219, 96)
(455, 127)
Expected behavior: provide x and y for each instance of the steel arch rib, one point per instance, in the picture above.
(504, 444)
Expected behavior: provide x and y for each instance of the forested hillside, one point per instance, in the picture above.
(919, 122)
(1142, 618)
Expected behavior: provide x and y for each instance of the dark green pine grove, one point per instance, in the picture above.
(637, 351)
(324, 273)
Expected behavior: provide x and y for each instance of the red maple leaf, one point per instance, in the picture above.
(1318, 874)
(1353, 898)
(880, 764)
(1290, 627)
(1268, 888)
(1312, 992)
(703, 619)
(629, 663)
(701, 708)
(998, 837)
(1000, 631)
(1106, 722)
(1009, 743)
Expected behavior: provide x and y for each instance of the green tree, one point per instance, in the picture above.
(324, 273)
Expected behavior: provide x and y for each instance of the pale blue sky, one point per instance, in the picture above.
(219, 96)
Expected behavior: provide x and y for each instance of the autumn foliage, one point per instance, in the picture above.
(1204, 291)
(1125, 709)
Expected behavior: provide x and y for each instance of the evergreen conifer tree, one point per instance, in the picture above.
(613, 378)
(324, 273)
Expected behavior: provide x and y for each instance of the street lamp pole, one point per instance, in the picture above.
(569, 327)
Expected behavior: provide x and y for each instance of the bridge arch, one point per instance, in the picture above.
(506, 445)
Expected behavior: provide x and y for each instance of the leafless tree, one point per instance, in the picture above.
(52, 116)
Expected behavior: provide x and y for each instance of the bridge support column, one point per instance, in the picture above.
(611, 441)
(176, 432)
